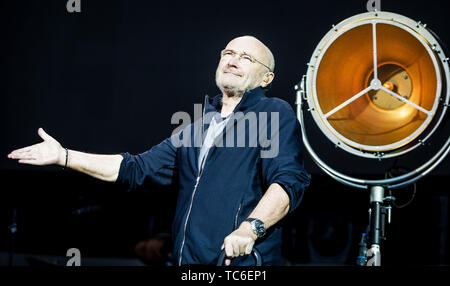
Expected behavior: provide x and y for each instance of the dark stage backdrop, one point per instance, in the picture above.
(109, 79)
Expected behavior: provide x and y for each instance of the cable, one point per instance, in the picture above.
(390, 175)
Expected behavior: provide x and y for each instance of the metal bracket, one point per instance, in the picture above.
(421, 24)
(379, 155)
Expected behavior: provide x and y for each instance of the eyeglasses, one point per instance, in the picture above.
(246, 58)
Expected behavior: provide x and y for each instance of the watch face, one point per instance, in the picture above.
(259, 228)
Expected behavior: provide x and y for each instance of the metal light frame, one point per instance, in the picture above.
(437, 57)
(306, 93)
(306, 88)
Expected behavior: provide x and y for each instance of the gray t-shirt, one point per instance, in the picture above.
(215, 129)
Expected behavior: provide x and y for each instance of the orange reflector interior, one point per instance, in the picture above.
(404, 67)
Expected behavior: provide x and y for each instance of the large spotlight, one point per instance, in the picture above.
(377, 87)
(374, 84)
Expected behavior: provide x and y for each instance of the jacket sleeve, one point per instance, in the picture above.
(285, 166)
(155, 166)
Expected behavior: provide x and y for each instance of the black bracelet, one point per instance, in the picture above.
(67, 157)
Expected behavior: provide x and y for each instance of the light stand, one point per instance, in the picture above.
(376, 231)
(378, 210)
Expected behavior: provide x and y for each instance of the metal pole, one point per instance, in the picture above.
(376, 200)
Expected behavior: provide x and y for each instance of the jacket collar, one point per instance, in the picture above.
(249, 99)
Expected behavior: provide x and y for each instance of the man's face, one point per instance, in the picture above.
(236, 73)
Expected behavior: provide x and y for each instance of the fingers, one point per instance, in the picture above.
(26, 157)
(27, 154)
(28, 161)
(20, 151)
(44, 135)
(229, 251)
(233, 247)
(248, 249)
(236, 245)
(227, 262)
(242, 249)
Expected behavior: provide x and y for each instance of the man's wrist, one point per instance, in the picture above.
(247, 226)
(63, 157)
(258, 226)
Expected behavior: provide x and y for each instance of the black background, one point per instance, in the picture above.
(108, 80)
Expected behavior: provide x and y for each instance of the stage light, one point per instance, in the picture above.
(374, 84)
(377, 87)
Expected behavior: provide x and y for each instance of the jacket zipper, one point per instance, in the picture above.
(187, 218)
(193, 193)
(237, 215)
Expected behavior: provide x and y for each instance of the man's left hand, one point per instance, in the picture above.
(240, 242)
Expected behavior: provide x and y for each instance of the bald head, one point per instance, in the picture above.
(245, 63)
(266, 56)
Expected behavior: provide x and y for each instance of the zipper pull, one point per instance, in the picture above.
(196, 182)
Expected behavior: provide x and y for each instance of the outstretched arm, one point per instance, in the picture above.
(50, 151)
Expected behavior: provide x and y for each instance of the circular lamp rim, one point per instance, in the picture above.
(372, 18)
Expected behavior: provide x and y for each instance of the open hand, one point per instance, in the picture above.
(45, 153)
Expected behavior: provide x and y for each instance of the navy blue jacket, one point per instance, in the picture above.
(213, 203)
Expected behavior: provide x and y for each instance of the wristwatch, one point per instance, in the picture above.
(258, 226)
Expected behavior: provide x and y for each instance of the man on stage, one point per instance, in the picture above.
(229, 196)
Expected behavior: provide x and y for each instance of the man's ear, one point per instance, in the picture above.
(268, 78)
